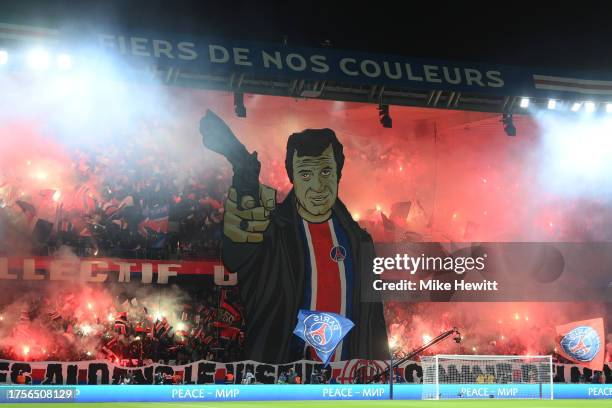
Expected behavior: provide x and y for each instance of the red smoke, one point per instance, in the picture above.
(464, 179)
(520, 328)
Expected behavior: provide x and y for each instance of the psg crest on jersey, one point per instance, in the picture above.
(581, 343)
(322, 331)
(338, 253)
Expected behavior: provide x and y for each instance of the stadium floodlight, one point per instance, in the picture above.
(509, 127)
(524, 103)
(3, 57)
(589, 107)
(64, 62)
(552, 104)
(480, 377)
(239, 107)
(385, 119)
(576, 106)
(608, 107)
(38, 59)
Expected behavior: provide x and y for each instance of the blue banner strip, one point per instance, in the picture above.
(182, 393)
(201, 56)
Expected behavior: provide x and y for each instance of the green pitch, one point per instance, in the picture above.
(341, 404)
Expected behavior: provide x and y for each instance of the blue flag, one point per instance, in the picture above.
(322, 331)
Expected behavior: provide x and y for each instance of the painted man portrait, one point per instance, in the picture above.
(304, 253)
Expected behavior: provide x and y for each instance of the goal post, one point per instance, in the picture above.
(479, 377)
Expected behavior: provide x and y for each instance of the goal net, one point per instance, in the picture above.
(469, 377)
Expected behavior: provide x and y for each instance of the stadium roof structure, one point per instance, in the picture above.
(321, 73)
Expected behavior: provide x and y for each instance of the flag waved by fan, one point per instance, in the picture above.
(583, 342)
(322, 331)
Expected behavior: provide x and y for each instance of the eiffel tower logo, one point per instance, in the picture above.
(581, 348)
(321, 333)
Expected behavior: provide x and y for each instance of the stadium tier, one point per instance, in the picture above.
(185, 219)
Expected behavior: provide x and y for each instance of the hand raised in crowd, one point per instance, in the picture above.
(249, 224)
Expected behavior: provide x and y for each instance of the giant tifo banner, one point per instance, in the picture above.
(141, 223)
(208, 372)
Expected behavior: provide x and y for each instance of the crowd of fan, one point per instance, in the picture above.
(208, 326)
(146, 207)
(126, 202)
(203, 331)
(133, 200)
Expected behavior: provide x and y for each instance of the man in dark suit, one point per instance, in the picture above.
(305, 253)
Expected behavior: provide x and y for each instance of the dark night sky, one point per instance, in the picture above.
(577, 35)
